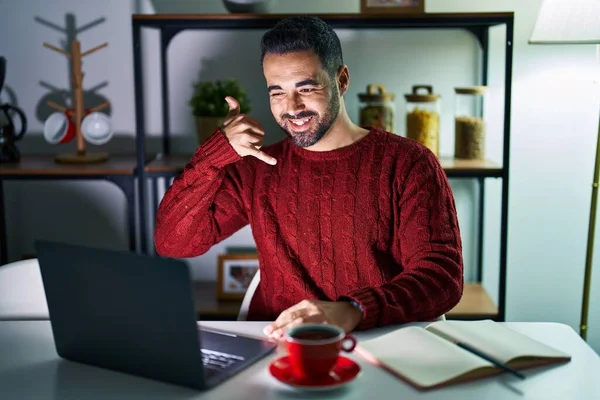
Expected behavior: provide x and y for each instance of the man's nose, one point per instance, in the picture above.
(294, 104)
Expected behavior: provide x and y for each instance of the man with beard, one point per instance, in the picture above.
(354, 227)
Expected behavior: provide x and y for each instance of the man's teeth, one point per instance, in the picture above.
(300, 122)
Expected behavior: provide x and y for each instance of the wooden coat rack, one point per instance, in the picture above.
(81, 156)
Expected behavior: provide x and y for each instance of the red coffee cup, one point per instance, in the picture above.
(315, 348)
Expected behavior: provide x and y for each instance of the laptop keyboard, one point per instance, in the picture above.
(217, 360)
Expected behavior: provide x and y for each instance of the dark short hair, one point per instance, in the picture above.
(300, 33)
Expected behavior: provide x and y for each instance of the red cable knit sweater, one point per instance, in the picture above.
(374, 222)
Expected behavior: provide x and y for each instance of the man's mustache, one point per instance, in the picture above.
(300, 115)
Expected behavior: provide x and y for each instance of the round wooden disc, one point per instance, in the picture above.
(87, 158)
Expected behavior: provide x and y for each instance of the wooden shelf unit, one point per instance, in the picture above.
(125, 170)
(476, 302)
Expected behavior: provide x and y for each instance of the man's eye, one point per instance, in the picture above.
(307, 90)
(276, 94)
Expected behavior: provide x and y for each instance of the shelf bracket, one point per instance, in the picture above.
(126, 184)
(480, 34)
(168, 33)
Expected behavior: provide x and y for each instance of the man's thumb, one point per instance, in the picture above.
(234, 106)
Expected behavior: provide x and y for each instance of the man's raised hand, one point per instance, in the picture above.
(244, 133)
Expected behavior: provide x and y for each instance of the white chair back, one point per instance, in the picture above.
(22, 295)
(243, 313)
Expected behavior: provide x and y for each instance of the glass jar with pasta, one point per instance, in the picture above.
(469, 125)
(423, 117)
(377, 108)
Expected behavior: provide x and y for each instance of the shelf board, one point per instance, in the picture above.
(474, 304)
(470, 168)
(174, 164)
(343, 20)
(207, 305)
(38, 165)
(170, 17)
(169, 164)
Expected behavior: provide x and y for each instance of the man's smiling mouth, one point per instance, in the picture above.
(300, 121)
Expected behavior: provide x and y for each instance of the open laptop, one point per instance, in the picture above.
(135, 314)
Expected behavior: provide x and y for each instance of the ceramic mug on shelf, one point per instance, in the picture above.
(59, 127)
(96, 128)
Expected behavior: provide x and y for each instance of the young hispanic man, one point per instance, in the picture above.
(354, 227)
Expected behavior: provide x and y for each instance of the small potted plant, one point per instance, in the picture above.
(209, 106)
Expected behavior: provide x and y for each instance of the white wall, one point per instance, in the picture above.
(554, 120)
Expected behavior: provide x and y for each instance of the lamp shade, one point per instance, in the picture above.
(567, 22)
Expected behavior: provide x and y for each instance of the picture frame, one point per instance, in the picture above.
(234, 274)
(392, 6)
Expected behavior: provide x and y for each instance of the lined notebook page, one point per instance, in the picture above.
(422, 357)
(494, 339)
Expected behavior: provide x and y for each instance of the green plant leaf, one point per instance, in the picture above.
(208, 99)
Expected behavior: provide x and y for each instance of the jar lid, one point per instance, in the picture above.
(474, 90)
(414, 97)
(376, 92)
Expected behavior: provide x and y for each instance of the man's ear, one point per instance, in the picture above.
(343, 79)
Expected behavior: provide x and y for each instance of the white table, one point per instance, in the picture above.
(31, 369)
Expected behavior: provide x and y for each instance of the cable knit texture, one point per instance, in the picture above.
(374, 222)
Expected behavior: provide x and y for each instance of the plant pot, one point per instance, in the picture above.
(249, 6)
(206, 126)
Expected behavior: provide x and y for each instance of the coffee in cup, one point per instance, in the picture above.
(314, 348)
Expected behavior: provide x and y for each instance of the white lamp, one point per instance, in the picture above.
(575, 22)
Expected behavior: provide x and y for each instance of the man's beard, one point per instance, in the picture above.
(309, 138)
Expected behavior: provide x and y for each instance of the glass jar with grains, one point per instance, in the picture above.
(469, 125)
(377, 108)
(423, 117)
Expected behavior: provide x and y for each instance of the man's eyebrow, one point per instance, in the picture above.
(306, 82)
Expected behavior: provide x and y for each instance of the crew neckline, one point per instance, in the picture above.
(334, 154)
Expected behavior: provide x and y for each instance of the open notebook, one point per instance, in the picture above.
(428, 357)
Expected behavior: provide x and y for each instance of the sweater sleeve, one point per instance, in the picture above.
(204, 204)
(430, 282)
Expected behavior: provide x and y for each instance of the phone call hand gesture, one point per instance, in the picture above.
(244, 133)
